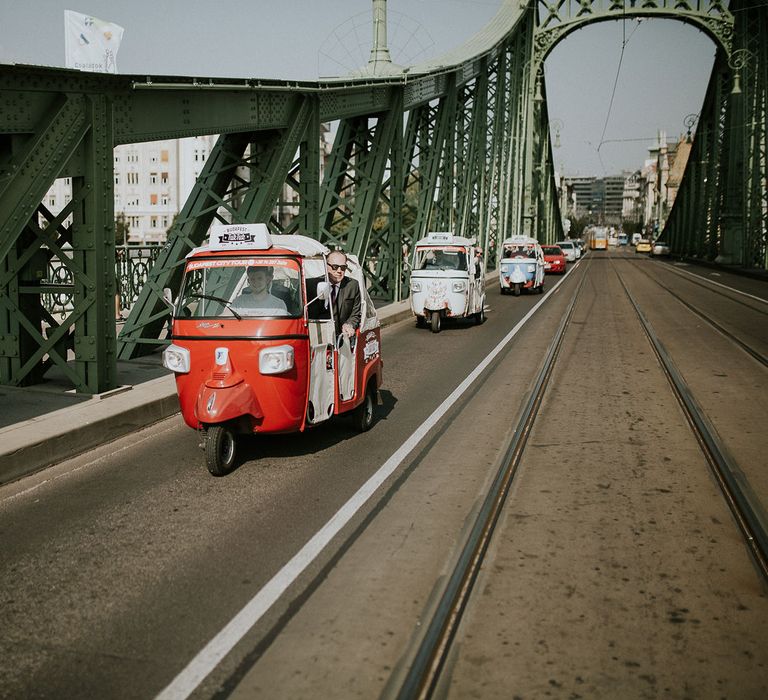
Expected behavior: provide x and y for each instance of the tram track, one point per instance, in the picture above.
(747, 509)
(712, 286)
(432, 651)
(756, 354)
(434, 648)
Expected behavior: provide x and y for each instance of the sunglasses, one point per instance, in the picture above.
(337, 267)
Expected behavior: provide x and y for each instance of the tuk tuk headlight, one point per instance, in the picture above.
(176, 359)
(459, 286)
(276, 360)
(415, 286)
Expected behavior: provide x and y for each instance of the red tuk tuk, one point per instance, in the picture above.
(254, 348)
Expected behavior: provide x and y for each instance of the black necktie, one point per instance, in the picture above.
(334, 294)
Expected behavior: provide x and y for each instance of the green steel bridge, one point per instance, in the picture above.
(460, 143)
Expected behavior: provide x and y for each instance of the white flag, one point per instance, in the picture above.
(91, 44)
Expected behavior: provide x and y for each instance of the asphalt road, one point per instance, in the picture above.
(119, 566)
(617, 570)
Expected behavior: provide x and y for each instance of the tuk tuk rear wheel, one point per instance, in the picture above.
(480, 316)
(363, 414)
(435, 322)
(220, 450)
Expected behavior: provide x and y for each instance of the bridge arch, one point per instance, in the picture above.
(559, 18)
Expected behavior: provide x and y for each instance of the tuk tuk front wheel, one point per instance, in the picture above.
(517, 289)
(220, 450)
(435, 322)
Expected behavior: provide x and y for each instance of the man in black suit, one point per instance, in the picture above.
(345, 295)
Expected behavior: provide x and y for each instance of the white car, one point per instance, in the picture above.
(660, 248)
(570, 250)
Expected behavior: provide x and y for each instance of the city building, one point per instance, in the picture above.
(663, 172)
(613, 199)
(632, 199)
(152, 182)
(583, 194)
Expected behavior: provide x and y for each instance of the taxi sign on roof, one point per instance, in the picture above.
(440, 236)
(235, 236)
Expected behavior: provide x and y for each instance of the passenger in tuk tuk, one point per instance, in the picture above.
(443, 260)
(345, 295)
(431, 260)
(478, 262)
(256, 297)
(519, 251)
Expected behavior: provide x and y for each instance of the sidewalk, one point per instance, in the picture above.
(43, 425)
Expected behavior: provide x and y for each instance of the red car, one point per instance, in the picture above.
(554, 259)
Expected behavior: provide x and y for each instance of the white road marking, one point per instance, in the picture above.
(718, 284)
(211, 655)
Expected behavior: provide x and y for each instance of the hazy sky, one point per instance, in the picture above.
(664, 69)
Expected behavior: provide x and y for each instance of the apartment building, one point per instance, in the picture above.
(152, 182)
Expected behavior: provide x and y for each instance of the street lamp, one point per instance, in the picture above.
(557, 124)
(689, 122)
(539, 97)
(736, 62)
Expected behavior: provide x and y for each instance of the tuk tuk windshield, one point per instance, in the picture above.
(433, 258)
(240, 287)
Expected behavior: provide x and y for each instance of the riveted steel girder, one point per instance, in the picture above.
(352, 188)
(74, 132)
(721, 209)
(32, 167)
(463, 147)
(240, 183)
(471, 158)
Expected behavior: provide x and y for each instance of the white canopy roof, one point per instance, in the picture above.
(251, 237)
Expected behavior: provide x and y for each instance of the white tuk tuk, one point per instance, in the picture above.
(447, 280)
(521, 266)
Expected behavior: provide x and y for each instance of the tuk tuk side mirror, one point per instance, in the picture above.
(168, 298)
(323, 292)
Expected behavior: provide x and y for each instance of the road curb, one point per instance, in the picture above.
(39, 442)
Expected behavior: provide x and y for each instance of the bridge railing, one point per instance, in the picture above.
(132, 266)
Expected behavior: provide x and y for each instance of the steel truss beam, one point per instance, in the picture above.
(74, 132)
(462, 147)
(721, 210)
(240, 183)
(354, 177)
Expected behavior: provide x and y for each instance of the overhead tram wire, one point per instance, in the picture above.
(624, 42)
